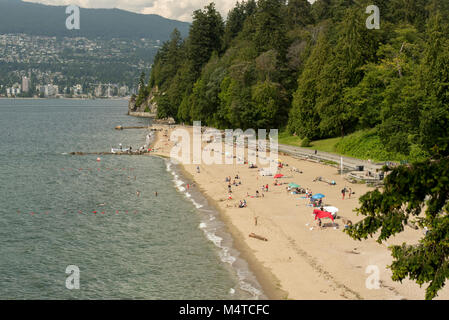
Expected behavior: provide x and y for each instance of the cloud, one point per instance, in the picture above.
(172, 9)
(183, 9)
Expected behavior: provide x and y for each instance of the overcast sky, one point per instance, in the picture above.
(173, 9)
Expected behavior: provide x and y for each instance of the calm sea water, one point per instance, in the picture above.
(58, 210)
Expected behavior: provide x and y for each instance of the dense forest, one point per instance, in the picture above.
(314, 70)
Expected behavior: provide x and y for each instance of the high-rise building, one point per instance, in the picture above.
(26, 83)
(99, 91)
(123, 91)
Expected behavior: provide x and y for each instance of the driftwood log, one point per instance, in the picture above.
(253, 235)
(121, 128)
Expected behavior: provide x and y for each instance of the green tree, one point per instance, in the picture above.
(270, 103)
(304, 118)
(419, 194)
(205, 36)
(299, 12)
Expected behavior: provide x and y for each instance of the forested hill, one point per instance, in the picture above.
(37, 19)
(315, 70)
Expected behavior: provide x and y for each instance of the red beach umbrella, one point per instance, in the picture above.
(279, 175)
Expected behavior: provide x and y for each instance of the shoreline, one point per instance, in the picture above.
(300, 260)
(264, 277)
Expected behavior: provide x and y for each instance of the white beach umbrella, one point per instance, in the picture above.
(332, 210)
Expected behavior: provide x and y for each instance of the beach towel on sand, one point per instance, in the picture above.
(322, 214)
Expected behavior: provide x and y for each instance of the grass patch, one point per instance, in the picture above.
(285, 138)
(364, 144)
(330, 163)
(328, 145)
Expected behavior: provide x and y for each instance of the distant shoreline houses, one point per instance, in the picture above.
(100, 90)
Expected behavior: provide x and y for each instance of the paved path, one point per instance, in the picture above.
(348, 162)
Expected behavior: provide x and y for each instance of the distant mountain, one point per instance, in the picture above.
(37, 19)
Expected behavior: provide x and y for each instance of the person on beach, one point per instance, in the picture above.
(343, 192)
(350, 192)
(266, 188)
(155, 193)
(198, 169)
(257, 193)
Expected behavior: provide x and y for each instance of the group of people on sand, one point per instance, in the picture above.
(344, 191)
(242, 204)
(234, 183)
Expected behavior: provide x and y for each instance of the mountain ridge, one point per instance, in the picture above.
(38, 19)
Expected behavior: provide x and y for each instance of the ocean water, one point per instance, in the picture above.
(58, 210)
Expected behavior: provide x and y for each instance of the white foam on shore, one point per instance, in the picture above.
(227, 257)
(179, 184)
(211, 234)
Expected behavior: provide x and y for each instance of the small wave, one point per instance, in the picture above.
(242, 275)
(214, 238)
(196, 204)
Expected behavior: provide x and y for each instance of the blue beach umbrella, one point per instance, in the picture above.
(318, 196)
(293, 185)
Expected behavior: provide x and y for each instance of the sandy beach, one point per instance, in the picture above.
(300, 260)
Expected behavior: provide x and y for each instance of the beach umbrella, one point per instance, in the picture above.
(331, 209)
(279, 175)
(293, 185)
(318, 196)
